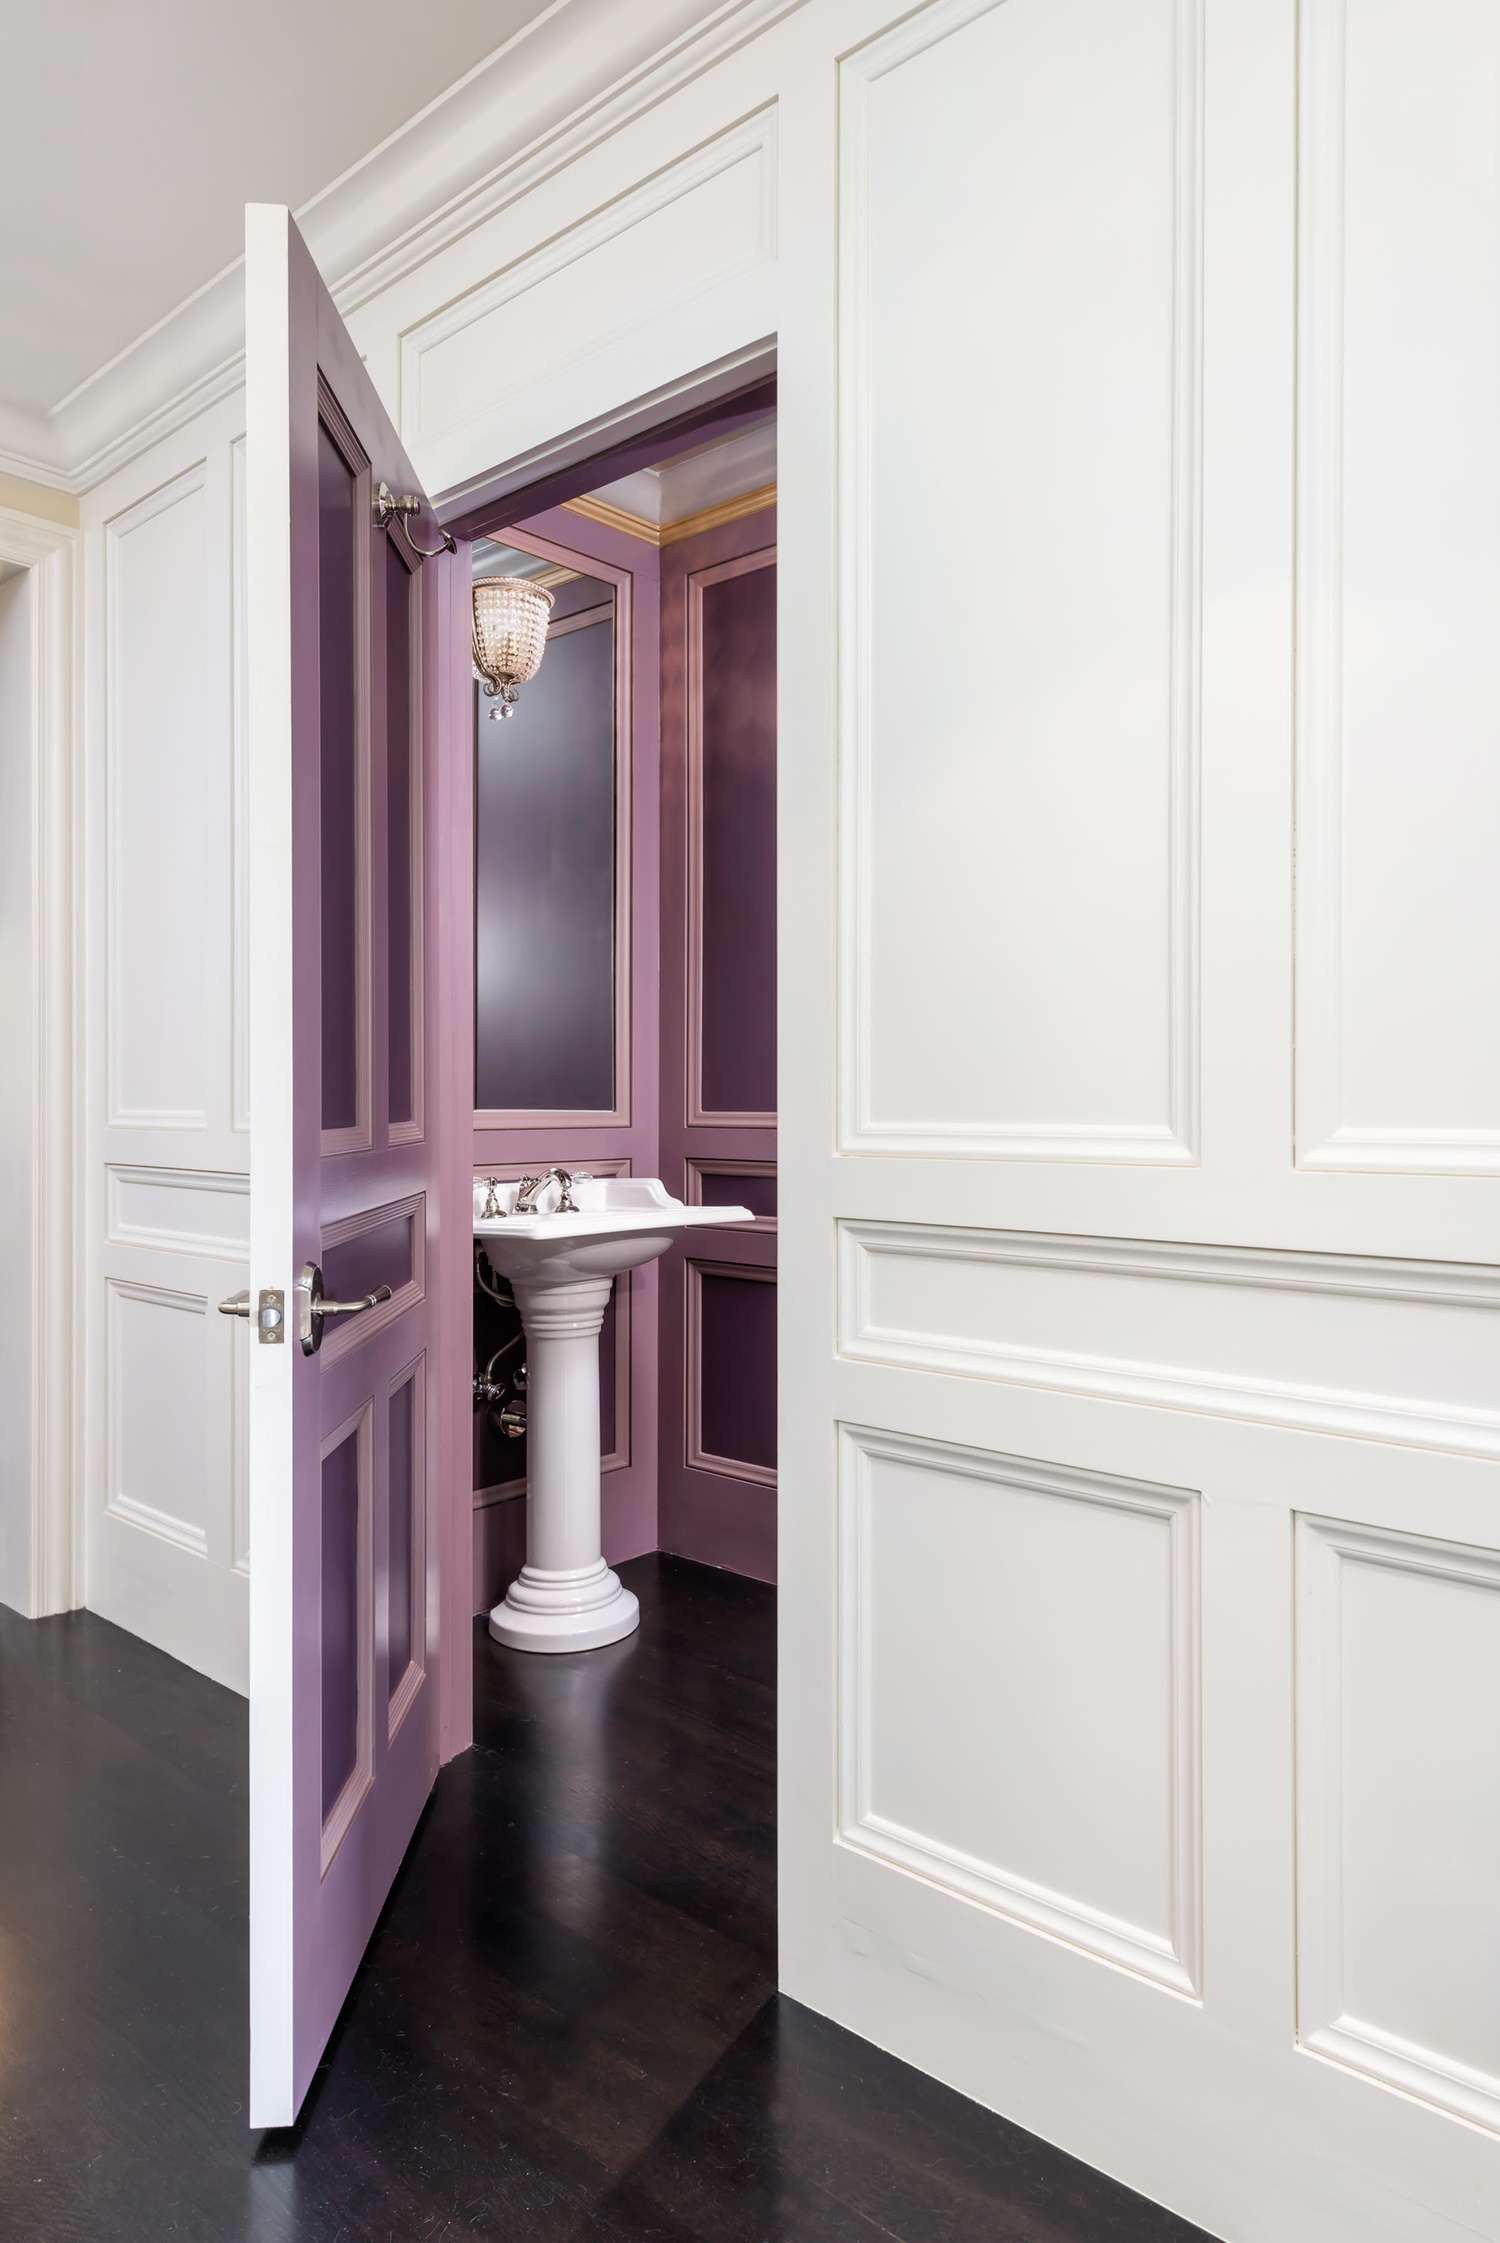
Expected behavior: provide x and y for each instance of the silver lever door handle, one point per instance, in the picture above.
(312, 1307)
(352, 1308)
(238, 1304)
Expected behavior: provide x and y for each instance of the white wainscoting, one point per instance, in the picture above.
(1398, 672)
(1389, 1350)
(165, 1209)
(1398, 1826)
(1041, 1757)
(1066, 916)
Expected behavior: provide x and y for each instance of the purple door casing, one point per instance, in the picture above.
(354, 1573)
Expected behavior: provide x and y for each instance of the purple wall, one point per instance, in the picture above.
(718, 1327)
(579, 1139)
(544, 882)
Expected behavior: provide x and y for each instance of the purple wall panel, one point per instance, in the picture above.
(338, 786)
(720, 1187)
(400, 888)
(401, 1467)
(545, 885)
(737, 1351)
(340, 1606)
(723, 1518)
(382, 1255)
(738, 783)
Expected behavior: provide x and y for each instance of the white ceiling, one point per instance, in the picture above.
(137, 130)
(705, 475)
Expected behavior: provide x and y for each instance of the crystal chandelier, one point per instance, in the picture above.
(510, 636)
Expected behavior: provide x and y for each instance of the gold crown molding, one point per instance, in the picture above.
(728, 510)
(614, 518)
(671, 533)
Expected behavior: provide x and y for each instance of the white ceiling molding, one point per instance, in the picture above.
(697, 481)
(572, 79)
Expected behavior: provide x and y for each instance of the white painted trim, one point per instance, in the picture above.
(1171, 1138)
(1171, 1959)
(564, 85)
(51, 554)
(1374, 1416)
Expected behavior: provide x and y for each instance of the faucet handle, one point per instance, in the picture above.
(491, 1208)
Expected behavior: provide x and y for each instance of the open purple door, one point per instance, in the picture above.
(349, 679)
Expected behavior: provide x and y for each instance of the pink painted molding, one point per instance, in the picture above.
(358, 1136)
(697, 1115)
(695, 1457)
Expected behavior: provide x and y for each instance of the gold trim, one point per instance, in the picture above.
(614, 518)
(671, 533)
(728, 510)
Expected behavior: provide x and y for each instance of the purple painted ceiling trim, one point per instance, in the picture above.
(708, 422)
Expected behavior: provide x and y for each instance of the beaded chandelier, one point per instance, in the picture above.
(510, 636)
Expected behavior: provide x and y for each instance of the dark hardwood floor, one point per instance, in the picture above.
(566, 2027)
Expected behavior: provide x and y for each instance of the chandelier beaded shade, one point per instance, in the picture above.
(510, 636)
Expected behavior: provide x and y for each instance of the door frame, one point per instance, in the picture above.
(49, 553)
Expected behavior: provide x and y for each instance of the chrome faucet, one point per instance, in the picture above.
(530, 1185)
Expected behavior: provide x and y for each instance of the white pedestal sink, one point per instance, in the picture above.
(561, 1268)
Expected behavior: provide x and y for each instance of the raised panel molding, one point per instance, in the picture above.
(1362, 1893)
(998, 1332)
(698, 222)
(156, 742)
(187, 1211)
(695, 1456)
(1168, 1957)
(1171, 1136)
(135, 1417)
(1330, 1136)
(357, 1331)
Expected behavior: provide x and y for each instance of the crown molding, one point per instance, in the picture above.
(671, 533)
(564, 84)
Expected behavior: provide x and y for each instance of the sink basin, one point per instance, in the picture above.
(560, 1269)
(621, 1222)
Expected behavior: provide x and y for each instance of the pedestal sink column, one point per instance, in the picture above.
(565, 1597)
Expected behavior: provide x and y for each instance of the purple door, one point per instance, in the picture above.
(347, 630)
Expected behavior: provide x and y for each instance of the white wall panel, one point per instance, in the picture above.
(1399, 1351)
(1398, 713)
(1019, 1704)
(1398, 1736)
(1020, 876)
(165, 1208)
(157, 1453)
(164, 732)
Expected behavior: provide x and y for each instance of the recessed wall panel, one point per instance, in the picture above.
(1398, 1738)
(1020, 490)
(1018, 1709)
(168, 748)
(732, 686)
(1398, 575)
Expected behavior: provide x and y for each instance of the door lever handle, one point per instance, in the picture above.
(238, 1304)
(313, 1307)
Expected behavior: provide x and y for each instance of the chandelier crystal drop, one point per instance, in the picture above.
(510, 636)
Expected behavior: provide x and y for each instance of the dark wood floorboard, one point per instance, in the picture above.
(567, 2026)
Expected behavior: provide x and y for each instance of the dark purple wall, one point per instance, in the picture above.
(739, 843)
(724, 707)
(545, 885)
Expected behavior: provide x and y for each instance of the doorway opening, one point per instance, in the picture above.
(625, 981)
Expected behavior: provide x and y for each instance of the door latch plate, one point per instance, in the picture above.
(270, 1317)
